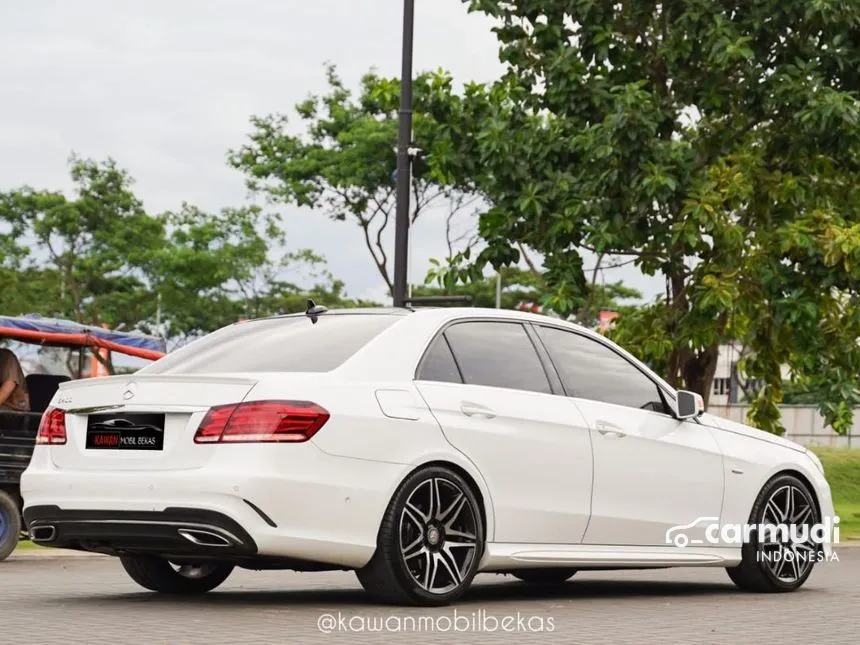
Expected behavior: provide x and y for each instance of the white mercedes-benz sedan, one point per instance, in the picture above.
(417, 448)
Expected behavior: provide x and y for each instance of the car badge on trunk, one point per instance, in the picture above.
(129, 391)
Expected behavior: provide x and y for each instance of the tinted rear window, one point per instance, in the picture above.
(497, 354)
(292, 344)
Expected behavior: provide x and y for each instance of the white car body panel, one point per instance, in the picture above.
(326, 508)
(752, 459)
(532, 464)
(674, 472)
(534, 453)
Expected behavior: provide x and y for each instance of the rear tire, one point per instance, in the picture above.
(10, 525)
(555, 576)
(760, 570)
(157, 574)
(430, 541)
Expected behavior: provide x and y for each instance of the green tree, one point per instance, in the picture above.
(90, 248)
(25, 290)
(218, 267)
(343, 161)
(714, 143)
(527, 287)
(98, 257)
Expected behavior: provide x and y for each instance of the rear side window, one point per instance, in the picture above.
(438, 364)
(290, 344)
(497, 354)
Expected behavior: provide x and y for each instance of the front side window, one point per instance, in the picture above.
(591, 370)
(497, 354)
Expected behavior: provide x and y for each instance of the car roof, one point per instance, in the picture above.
(444, 314)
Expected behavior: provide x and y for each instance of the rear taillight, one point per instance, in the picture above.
(261, 421)
(52, 429)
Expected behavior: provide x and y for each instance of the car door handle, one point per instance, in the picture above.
(476, 410)
(605, 428)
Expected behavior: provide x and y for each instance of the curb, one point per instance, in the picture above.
(43, 552)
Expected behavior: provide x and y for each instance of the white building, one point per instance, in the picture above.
(726, 388)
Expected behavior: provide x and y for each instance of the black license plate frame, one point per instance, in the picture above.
(126, 431)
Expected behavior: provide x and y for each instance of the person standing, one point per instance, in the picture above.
(13, 387)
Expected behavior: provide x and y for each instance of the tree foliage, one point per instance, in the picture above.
(526, 289)
(716, 144)
(93, 246)
(98, 257)
(343, 162)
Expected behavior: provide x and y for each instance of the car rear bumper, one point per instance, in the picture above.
(175, 531)
(288, 502)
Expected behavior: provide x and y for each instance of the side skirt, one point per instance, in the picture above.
(505, 557)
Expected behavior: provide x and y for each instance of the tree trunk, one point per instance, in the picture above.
(698, 371)
(689, 369)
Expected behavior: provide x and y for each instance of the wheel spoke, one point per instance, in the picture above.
(810, 543)
(789, 504)
(460, 534)
(808, 558)
(794, 564)
(773, 509)
(430, 571)
(435, 500)
(415, 515)
(453, 511)
(781, 563)
(414, 549)
(447, 559)
(802, 515)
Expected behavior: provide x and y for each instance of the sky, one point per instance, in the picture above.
(167, 88)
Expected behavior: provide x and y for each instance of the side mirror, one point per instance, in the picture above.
(689, 405)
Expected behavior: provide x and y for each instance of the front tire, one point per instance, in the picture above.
(553, 576)
(10, 525)
(770, 564)
(157, 574)
(430, 541)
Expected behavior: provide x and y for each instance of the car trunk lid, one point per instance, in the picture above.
(140, 422)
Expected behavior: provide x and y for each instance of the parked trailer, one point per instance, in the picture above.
(18, 430)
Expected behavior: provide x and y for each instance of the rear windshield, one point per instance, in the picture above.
(290, 344)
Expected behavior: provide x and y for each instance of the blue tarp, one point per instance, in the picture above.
(38, 324)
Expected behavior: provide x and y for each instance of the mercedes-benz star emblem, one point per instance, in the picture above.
(433, 536)
(129, 391)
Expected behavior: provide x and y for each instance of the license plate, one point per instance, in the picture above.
(125, 432)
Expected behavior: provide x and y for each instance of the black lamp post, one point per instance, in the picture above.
(404, 161)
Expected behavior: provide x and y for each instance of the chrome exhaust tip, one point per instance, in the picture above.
(43, 533)
(204, 538)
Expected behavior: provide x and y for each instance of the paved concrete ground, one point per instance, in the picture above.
(90, 600)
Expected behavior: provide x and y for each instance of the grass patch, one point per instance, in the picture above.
(26, 545)
(849, 520)
(842, 469)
